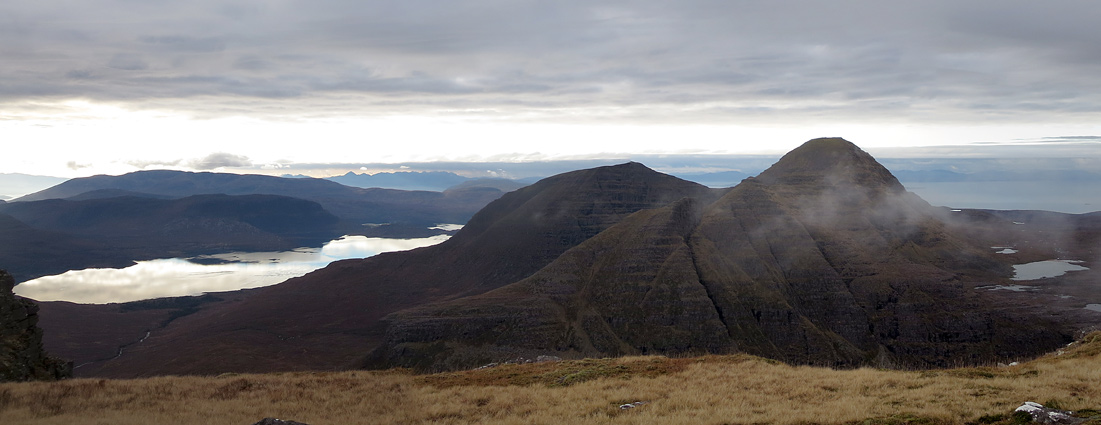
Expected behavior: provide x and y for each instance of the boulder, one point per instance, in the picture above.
(1045, 415)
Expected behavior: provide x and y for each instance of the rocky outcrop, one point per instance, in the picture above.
(1046, 415)
(22, 357)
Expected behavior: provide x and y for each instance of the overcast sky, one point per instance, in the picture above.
(94, 86)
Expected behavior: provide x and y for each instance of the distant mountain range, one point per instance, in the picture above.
(352, 204)
(405, 180)
(716, 179)
(56, 235)
(997, 176)
(13, 185)
(823, 258)
(442, 180)
(356, 205)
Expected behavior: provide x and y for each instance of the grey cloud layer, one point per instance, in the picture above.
(694, 60)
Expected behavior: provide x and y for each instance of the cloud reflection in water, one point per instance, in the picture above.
(173, 277)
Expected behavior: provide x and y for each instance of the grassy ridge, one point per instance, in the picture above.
(704, 390)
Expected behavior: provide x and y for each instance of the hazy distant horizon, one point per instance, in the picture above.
(1019, 181)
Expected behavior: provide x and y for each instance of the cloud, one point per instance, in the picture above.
(126, 62)
(182, 43)
(220, 160)
(143, 164)
(73, 165)
(1070, 139)
(640, 61)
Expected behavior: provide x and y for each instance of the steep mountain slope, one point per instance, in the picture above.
(329, 318)
(349, 203)
(823, 258)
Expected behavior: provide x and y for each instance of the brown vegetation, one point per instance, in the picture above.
(703, 390)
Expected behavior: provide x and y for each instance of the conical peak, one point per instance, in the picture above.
(830, 160)
(823, 154)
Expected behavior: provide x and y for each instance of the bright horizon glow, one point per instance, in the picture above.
(98, 139)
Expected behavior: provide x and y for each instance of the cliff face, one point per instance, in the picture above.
(824, 258)
(22, 357)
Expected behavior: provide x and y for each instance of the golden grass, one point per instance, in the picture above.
(704, 390)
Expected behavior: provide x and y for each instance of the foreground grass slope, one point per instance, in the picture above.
(704, 390)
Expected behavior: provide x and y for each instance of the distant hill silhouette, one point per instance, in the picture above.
(504, 185)
(437, 181)
(1070, 176)
(28, 252)
(15, 184)
(716, 179)
(356, 205)
(56, 235)
(114, 193)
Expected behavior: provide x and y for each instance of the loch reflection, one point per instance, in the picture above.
(1045, 269)
(172, 277)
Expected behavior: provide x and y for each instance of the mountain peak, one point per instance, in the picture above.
(627, 166)
(832, 161)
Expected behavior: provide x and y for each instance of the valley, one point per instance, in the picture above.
(823, 259)
(502, 212)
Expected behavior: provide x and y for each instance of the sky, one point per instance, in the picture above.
(314, 87)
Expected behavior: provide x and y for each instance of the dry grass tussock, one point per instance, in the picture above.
(704, 390)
